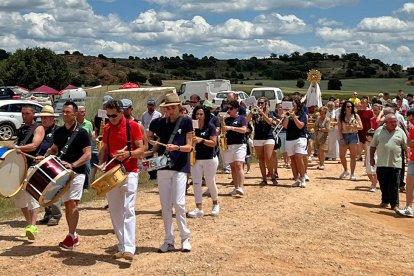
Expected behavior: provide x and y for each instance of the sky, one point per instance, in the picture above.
(381, 29)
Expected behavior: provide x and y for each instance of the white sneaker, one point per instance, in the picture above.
(239, 191)
(307, 177)
(166, 247)
(207, 193)
(302, 183)
(186, 245)
(372, 190)
(216, 210)
(296, 183)
(352, 177)
(196, 213)
(407, 212)
(310, 159)
(233, 193)
(344, 174)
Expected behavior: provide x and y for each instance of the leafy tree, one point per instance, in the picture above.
(33, 67)
(334, 84)
(101, 56)
(66, 53)
(155, 81)
(300, 83)
(4, 54)
(77, 53)
(135, 76)
(210, 75)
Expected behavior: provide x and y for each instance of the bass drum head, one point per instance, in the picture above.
(13, 171)
(54, 191)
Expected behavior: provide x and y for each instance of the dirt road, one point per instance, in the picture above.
(330, 227)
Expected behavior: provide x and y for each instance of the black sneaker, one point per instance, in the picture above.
(43, 221)
(53, 222)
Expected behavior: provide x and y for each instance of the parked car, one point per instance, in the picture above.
(10, 93)
(273, 94)
(11, 116)
(39, 97)
(220, 96)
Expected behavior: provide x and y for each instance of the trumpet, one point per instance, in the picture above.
(289, 112)
(255, 110)
(193, 155)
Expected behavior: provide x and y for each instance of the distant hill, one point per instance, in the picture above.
(90, 70)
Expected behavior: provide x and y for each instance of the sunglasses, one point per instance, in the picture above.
(112, 116)
(199, 114)
(349, 106)
(260, 103)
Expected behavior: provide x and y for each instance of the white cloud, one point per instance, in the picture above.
(230, 6)
(383, 24)
(331, 34)
(325, 22)
(407, 8)
(19, 5)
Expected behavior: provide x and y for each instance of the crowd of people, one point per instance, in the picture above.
(192, 140)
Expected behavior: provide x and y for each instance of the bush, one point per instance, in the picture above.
(334, 84)
(258, 83)
(135, 76)
(155, 81)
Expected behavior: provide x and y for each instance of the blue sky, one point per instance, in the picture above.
(223, 29)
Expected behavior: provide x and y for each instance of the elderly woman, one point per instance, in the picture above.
(263, 141)
(321, 136)
(376, 118)
(295, 124)
(348, 126)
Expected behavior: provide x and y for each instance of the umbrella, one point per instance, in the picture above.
(129, 85)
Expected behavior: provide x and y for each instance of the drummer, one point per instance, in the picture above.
(121, 199)
(53, 213)
(28, 140)
(76, 140)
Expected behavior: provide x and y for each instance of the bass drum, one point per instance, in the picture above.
(48, 180)
(13, 171)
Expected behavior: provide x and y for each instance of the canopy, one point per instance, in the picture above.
(46, 89)
(129, 85)
(70, 86)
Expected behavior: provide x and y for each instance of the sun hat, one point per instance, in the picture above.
(47, 111)
(126, 103)
(106, 99)
(171, 99)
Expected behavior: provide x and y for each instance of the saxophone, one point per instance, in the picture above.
(99, 139)
(222, 137)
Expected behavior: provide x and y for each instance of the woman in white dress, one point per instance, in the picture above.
(333, 137)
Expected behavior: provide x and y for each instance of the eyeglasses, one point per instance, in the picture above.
(199, 114)
(193, 102)
(112, 116)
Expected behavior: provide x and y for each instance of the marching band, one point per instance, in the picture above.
(54, 158)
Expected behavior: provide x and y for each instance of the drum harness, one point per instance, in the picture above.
(128, 133)
(70, 140)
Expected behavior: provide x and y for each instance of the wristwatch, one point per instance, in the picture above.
(179, 147)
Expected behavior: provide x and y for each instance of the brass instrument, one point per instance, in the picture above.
(255, 110)
(222, 136)
(99, 139)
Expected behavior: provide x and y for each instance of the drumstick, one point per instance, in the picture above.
(112, 160)
(28, 155)
(159, 143)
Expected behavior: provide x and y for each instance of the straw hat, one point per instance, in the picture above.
(171, 99)
(47, 111)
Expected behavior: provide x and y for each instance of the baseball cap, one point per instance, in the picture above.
(126, 103)
(151, 102)
(106, 99)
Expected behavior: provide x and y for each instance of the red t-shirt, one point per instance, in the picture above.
(118, 140)
(411, 136)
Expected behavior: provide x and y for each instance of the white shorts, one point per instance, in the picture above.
(75, 188)
(296, 146)
(234, 153)
(24, 200)
(261, 143)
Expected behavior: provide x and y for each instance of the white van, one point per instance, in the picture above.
(273, 94)
(206, 89)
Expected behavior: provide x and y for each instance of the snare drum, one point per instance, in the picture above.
(13, 171)
(109, 180)
(154, 163)
(48, 180)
